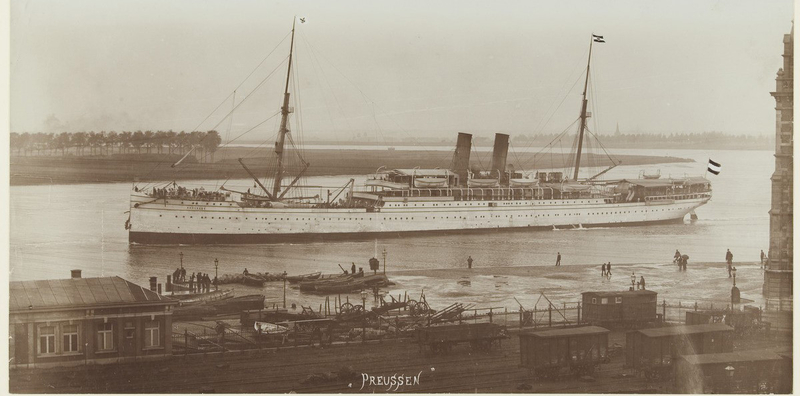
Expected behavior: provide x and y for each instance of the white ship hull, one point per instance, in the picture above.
(171, 221)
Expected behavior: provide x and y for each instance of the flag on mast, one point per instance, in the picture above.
(598, 39)
(714, 167)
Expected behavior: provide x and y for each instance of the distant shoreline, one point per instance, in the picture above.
(72, 169)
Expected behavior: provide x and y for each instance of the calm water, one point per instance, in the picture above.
(58, 228)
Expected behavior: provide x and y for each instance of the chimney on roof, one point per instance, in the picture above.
(76, 274)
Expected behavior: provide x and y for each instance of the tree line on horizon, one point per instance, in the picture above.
(105, 143)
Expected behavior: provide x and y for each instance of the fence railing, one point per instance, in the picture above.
(206, 339)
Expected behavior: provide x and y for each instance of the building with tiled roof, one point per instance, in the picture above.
(86, 320)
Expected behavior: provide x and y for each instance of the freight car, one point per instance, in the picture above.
(555, 352)
(651, 352)
(631, 308)
(754, 372)
(481, 336)
(745, 323)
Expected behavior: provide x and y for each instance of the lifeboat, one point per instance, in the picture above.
(653, 176)
(483, 183)
(427, 182)
(386, 184)
(522, 182)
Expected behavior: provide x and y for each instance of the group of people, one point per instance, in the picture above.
(681, 260)
(176, 191)
(353, 270)
(606, 269)
(198, 283)
(179, 275)
(202, 285)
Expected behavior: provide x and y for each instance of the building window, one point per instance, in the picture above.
(594, 301)
(151, 334)
(603, 301)
(47, 340)
(130, 330)
(69, 333)
(105, 337)
(619, 300)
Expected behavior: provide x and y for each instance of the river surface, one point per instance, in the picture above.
(56, 228)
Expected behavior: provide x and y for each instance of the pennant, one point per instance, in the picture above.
(714, 167)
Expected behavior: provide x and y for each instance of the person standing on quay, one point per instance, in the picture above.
(608, 269)
(603, 270)
(469, 262)
(763, 256)
(191, 283)
(558, 259)
(729, 260)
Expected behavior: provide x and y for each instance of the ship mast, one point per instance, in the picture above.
(583, 113)
(285, 110)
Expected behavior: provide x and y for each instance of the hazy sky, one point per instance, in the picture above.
(397, 68)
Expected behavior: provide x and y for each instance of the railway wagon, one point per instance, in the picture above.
(629, 308)
(652, 351)
(481, 336)
(746, 322)
(751, 371)
(553, 352)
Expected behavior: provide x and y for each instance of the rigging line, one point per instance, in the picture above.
(230, 124)
(595, 103)
(223, 118)
(253, 127)
(478, 156)
(540, 128)
(317, 67)
(602, 147)
(242, 83)
(181, 170)
(514, 152)
(365, 96)
(249, 94)
(577, 79)
(551, 142)
(271, 138)
(333, 92)
(298, 106)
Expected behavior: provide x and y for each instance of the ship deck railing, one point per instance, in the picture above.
(678, 197)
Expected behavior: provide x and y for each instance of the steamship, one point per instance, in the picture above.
(395, 201)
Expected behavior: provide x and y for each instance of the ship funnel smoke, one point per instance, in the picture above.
(461, 157)
(499, 156)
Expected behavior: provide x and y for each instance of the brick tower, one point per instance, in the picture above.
(778, 275)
